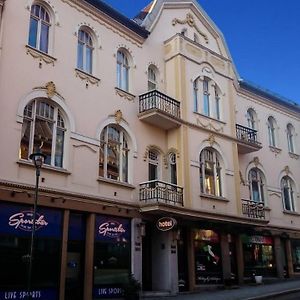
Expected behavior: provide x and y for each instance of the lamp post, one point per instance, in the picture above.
(38, 159)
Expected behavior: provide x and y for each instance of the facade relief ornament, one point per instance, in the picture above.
(210, 126)
(294, 155)
(256, 161)
(42, 57)
(89, 79)
(191, 22)
(286, 169)
(124, 94)
(118, 116)
(51, 89)
(275, 150)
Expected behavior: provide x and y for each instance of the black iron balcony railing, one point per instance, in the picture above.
(246, 134)
(162, 192)
(253, 210)
(157, 100)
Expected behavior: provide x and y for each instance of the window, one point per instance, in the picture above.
(85, 51)
(256, 184)
(39, 28)
(251, 118)
(152, 83)
(210, 172)
(122, 71)
(153, 163)
(114, 149)
(271, 131)
(207, 90)
(44, 128)
(173, 168)
(290, 138)
(287, 190)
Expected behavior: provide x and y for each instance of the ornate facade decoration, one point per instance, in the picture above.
(42, 57)
(191, 22)
(124, 94)
(51, 89)
(275, 150)
(210, 126)
(256, 161)
(118, 116)
(89, 79)
(286, 169)
(294, 155)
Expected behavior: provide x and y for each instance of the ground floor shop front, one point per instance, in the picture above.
(87, 251)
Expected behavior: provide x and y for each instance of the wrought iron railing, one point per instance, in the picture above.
(246, 134)
(253, 210)
(162, 192)
(157, 100)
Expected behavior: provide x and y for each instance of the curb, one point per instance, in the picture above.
(272, 295)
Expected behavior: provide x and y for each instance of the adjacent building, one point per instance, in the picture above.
(160, 161)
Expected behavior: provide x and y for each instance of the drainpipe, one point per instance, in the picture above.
(1, 23)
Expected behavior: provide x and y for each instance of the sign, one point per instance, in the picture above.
(44, 294)
(258, 239)
(206, 235)
(107, 292)
(17, 220)
(165, 223)
(112, 229)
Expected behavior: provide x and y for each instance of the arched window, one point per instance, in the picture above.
(256, 184)
(207, 90)
(152, 80)
(172, 168)
(251, 118)
(122, 70)
(210, 172)
(39, 28)
(290, 138)
(44, 128)
(114, 150)
(85, 51)
(287, 190)
(272, 131)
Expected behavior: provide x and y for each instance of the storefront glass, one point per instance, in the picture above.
(15, 236)
(111, 256)
(208, 265)
(258, 255)
(295, 245)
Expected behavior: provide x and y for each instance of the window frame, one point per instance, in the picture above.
(38, 35)
(152, 80)
(123, 70)
(291, 192)
(272, 132)
(87, 43)
(54, 116)
(261, 183)
(290, 137)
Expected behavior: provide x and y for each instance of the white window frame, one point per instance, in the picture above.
(261, 185)
(272, 132)
(152, 78)
(87, 43)
(290, 138)
(123, 70)
(291, 193)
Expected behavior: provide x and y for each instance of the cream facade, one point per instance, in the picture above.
(139, 120)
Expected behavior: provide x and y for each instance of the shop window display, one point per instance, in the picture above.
(208, 265)
(295, 245)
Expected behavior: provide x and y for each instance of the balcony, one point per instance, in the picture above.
(156, 191)
(253, 210)
(247, 139)
(159, 110)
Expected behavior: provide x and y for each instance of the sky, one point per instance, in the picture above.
(263, 37)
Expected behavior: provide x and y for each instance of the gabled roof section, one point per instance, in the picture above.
(114, 14)
(143, 13)
(265, 93)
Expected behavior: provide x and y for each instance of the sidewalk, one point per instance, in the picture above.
(249, 292)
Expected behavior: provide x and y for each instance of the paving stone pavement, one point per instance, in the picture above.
(244, 292)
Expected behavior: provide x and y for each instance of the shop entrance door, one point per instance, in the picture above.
(147, 259)
(183, 261)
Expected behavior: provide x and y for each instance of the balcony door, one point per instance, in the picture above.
(153, 164)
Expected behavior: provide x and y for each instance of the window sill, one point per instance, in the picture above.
(212, 197)
(293, 213)
(294, 155)
(88, 78)
(116, 182)
(275, 149)
(209, 118)
(42, 56)
(44, 167)
(124, 94)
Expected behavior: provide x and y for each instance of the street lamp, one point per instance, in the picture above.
(38, 159)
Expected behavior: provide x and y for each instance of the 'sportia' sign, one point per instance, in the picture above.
(165, 223)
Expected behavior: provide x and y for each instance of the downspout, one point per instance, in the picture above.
(1, 23)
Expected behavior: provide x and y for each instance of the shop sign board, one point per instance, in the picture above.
(166, 223)
(42, 294)
(107, 291)
(258, 239)
(112, 229)
(18, 220)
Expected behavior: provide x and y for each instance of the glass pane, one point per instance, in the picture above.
(24, 146)
(286, 198)
(125, 166)
(152, 172)
(43, 134)
(218, 183)
(44, 38)
(218, 108)
(119, 76)
(113, 164)
(89, 53)
(195, 96)
(255, 191)
(151, 86)
(101, 159)
(32, 32)
(59, 149)
(125, 79)
(206, 104)
(80, 56)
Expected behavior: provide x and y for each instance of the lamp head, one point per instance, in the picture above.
(38, 159)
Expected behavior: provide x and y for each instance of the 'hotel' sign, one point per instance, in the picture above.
(165, 223)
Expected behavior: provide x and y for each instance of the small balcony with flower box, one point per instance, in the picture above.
(159, 110)
(247, 139)
(160, 192)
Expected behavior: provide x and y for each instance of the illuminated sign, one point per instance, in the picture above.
(165, 224)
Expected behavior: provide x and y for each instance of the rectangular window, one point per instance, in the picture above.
(119, 76)
(59, 148)
(44, 38)
(80, 56)
(89, 53)
(33, 32)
